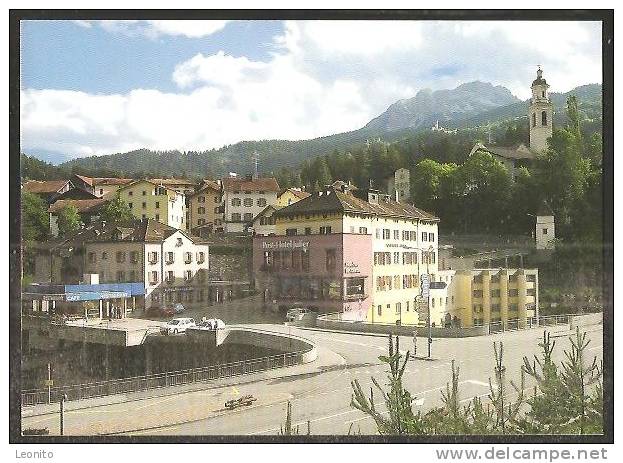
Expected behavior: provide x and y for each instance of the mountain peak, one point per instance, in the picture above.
(428, 106)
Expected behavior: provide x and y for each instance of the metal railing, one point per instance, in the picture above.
(512, 324)
(160, 380)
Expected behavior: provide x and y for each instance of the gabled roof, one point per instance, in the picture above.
(76, 193)
(111, 181)
(264, 212)
(45, 186)
(103, 180)
(137, 230)
(298, 193)
(83, 205)
(246, 184)
(519, 151)
(207, 185)
(337, 201)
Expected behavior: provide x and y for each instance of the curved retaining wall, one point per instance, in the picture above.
(305, 350)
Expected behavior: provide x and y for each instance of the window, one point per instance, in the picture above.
(216, 199)
(290, 231)
(533, 119)
(432, 302)
(495, 293)
(407, 306)
(130, 205)
(398, 308)
(363, 231)
(130, 193)
(248, 202)
(201, 257)
(170, 277)
(170, 258)
(261, 202)
(355, 286)
(201, 210)
(104, 255)
(330, 259)
(101, 191)
(235, 217)
(157, 217)
(495, 307)
(144, 193)
(378, 233)
(531, 278)
(120, 257)
(153, 277)
(545, 231)
(379, 310)
(144, 205)
(308, 230)
(412, 236)
(397, 282)
(235, 202)
(188, 274)
(431, 237)
(157, 204)
(92, 257)
(477, 293)
(120, 275)
(513, 292)
(543, 93)
(531, 292)
(424, 236)
(396, 257)
(544, 118)
(248, 216)
(188, 257)
(386, 234)
(143, 216)
(325, 230)
(396, 234)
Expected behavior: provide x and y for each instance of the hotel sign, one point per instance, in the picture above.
(285, 244)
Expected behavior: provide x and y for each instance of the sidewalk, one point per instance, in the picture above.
(326, 359)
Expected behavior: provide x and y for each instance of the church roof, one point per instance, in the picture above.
(520, 151)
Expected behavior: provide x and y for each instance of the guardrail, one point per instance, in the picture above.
(160, 380)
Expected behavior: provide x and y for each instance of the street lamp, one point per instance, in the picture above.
(430, 329)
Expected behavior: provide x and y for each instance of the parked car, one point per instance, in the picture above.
(177, 325)
(295, 313)
(210, 324)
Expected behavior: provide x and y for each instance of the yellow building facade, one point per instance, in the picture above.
(148, 200)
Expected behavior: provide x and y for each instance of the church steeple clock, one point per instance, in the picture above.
(540, 113)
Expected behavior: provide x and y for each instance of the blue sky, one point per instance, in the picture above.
(100, 87)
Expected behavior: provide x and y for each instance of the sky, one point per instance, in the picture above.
(102, 87)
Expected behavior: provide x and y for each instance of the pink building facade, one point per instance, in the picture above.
(328, 273)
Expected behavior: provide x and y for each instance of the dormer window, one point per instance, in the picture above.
(179, 242)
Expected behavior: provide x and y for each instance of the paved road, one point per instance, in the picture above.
(319, 392)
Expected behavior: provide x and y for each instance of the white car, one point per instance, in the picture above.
(296, 313)
(210, 324)
(177, 325)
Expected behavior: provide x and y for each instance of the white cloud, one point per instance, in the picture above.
(322, 77)
(155, 29)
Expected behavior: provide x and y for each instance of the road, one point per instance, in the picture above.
(319, 392)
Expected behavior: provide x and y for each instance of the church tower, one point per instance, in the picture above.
(540, 113)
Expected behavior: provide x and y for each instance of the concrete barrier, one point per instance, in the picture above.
(586, 320)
